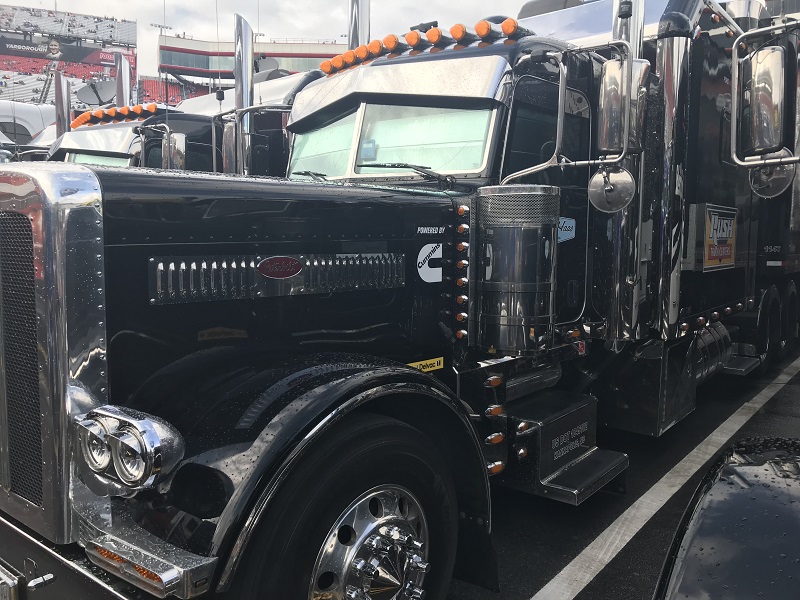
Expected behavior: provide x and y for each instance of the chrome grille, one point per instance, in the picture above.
(19, 356)
(179, 279)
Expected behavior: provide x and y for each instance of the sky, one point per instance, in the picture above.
(308, 19)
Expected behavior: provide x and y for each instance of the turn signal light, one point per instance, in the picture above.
(108, 554)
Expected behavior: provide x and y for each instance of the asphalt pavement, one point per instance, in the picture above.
(612, 547)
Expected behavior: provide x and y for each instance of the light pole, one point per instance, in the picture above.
(161, 29)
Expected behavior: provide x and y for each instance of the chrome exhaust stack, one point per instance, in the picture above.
(63, 104)
(358, 34)
(243, 72)
(123, 67)
(622, 316)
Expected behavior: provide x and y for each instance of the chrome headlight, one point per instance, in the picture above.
(133, 461)
(127, 450)
(94, 446)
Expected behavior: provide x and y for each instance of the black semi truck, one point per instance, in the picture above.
(490, 241)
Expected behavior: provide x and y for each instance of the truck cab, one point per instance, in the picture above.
(490, 242)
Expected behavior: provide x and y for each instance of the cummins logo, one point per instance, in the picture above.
(426, 255)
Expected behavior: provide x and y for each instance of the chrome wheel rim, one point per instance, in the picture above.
(376, 550)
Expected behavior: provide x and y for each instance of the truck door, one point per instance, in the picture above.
(530, 140)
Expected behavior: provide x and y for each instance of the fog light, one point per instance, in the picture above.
(94, 445)
(130, 457)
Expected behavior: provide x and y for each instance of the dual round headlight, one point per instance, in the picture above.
(94, 445)
(130, 457)
(128, 446)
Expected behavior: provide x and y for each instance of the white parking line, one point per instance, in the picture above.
(584, 567)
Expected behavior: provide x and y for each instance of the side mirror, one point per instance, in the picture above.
(173, 151)
(762, 101)
(229, 148)
(612, 111)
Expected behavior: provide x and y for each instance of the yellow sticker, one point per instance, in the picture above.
(432, 364)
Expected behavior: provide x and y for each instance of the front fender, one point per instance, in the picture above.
(246, 428)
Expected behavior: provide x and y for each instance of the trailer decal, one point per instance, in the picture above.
(720, 238)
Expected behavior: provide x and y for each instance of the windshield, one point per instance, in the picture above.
(445, 140)
(324, 150)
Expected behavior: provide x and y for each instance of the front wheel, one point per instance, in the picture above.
(369, 514)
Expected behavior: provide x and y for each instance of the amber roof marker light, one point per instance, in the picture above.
(512, 29)
(394, 44)
(488, 31)
(416, 40)
(438, 37)
(462, 34)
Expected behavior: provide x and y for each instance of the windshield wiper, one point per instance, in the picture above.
(447, 180)
(313, 174)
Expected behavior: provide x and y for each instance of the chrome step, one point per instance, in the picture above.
(577, 481)
(741, 365)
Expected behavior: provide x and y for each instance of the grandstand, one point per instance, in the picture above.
(36, 42)
(152, 89)
(68, 25)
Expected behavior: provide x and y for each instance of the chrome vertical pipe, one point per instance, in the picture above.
(63, 104)
(672, 69)
(631, 29)
(358, 33)
(123, 66)
(243, 72)
(622, 317)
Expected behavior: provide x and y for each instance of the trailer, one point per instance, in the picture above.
(489, 242)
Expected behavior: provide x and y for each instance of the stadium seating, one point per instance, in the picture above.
(39, 20)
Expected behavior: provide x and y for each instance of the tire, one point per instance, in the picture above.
(788, 324)
(771, 340)
(369, 466)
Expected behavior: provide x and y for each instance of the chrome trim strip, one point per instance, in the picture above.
(5, 465)
(319, 274)
(672, 60)
(64, 204)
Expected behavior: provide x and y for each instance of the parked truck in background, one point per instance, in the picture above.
(490, 241)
